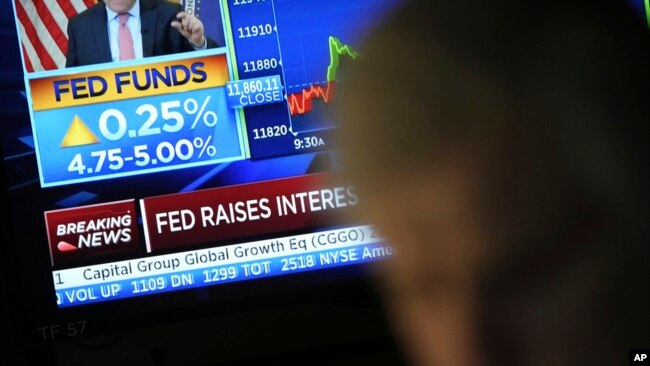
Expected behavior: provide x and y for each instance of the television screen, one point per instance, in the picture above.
(164, 160)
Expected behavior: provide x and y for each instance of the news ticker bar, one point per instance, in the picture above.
(213, 266)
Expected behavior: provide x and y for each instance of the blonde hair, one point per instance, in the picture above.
(554, 94)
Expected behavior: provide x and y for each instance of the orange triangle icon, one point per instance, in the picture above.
(78, 134)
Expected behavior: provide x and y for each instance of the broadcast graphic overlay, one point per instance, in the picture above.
(194, 169)
(112, 122)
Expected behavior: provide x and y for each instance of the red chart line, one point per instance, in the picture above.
(302, 102)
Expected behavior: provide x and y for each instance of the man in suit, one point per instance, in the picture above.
(116, 30)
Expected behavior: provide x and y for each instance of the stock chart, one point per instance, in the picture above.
(309, 45)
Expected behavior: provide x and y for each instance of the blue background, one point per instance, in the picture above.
(52, 126)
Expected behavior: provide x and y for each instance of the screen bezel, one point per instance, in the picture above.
(32, 316)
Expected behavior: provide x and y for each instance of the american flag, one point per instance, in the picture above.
(43, 28)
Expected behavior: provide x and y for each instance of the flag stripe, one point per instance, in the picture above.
(67, 8)
(43, 54)
(31, 58)
(43, 30)
(53, 26)
(59, 15)
(42, 33)
(79, 5)
(28, 65)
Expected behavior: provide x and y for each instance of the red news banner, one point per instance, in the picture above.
(91, 233)
(219, 214)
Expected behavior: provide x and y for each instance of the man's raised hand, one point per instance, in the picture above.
(191, 28)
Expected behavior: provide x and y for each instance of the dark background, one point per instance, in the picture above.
(325, 325)
(329, 325)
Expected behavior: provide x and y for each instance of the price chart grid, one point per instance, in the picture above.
(318, 39)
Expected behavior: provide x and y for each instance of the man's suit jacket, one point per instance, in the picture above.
(88, 41)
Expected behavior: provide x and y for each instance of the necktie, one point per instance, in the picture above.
(125, 40)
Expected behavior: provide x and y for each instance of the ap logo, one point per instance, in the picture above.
(639, 357)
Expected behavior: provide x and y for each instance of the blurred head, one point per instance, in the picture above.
(496, 146)
(120, 6)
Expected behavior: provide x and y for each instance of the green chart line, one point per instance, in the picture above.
(301, 102)
(337, 48)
